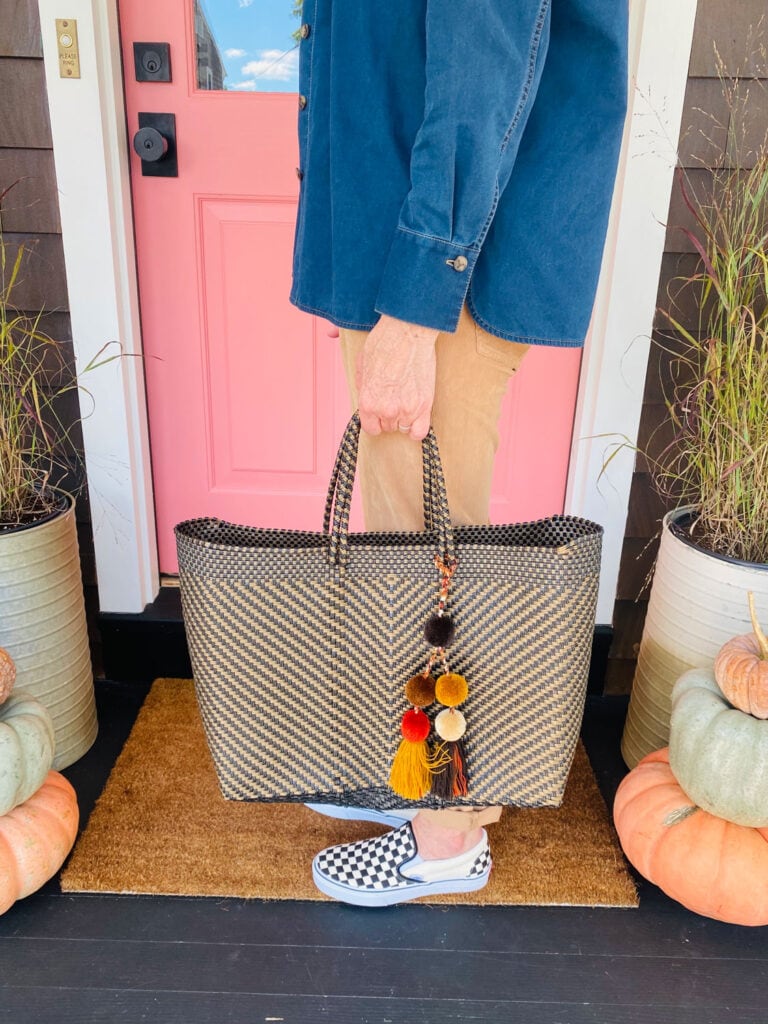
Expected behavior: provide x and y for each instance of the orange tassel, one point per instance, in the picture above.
(458, 769)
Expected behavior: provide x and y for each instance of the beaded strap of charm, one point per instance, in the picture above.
(417, 769)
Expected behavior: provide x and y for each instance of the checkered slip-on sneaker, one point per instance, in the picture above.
(394, 818)
(386, 870)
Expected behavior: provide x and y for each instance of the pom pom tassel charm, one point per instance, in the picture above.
(451, 780)
(412, 766)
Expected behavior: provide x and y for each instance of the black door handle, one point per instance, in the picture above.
(155, 143)
(150, 144)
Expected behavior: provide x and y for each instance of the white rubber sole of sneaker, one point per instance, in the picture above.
(389, 897)
(393, 818)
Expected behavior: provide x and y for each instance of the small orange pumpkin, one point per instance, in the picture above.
(7, 674)
(710, 865)
(35, 838)
(741, 669)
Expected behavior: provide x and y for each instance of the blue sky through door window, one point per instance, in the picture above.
(246, 45)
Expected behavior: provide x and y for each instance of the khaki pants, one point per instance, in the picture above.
(473, 372)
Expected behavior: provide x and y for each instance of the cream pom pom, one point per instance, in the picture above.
(450, 725)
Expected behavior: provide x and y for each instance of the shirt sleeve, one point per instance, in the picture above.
(481, 76)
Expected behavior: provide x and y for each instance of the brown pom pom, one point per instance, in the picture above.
(420, 691)
(451, 689)
(439, 630)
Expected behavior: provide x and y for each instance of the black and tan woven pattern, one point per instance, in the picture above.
(301, 644)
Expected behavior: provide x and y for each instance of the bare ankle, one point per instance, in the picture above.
(435, 842)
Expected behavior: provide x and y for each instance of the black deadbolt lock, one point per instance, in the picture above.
(155, 142)
(152, 62)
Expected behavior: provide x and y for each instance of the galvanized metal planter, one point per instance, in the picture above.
(698, 601)
(43, 627)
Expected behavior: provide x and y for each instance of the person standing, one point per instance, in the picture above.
(457, 164)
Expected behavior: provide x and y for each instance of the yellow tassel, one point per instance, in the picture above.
(410, 775)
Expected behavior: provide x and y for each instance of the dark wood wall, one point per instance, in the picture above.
(734, 29)
(30, 217)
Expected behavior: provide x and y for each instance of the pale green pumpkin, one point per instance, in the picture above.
(26, 749)
(719, 755)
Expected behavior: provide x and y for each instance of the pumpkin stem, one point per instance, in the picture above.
(678, 815)
(760, 636)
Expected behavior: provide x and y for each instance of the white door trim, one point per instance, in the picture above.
(92, 168)
(616, 354)
(90, 151)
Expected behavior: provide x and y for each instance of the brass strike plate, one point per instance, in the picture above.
(69, 52)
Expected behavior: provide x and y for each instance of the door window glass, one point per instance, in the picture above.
(247, 45)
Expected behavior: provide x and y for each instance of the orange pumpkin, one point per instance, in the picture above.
(741, 669)
(710, 865)
(35, 838)
(7, 674)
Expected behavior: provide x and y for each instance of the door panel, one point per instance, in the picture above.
(246, 394)
(245, 249)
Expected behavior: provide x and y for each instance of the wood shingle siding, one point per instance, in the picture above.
(42, 283)
(19, 29)
(23, 104)
(32, 206)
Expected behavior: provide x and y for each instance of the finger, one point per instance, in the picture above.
(420, 426)
(370, 423)
(391, 423)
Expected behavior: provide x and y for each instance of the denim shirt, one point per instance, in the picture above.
(458, 151)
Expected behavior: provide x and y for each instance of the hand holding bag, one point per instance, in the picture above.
(301, 645)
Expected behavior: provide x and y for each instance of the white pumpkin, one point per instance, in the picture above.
(718, 754)
(26, 749)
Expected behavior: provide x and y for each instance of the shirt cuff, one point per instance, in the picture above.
(425, 280)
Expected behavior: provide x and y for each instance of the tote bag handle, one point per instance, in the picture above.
(437, 517)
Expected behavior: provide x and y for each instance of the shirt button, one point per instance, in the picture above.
(299, 173)
(304, 31)
(460, 263)
(302, 102)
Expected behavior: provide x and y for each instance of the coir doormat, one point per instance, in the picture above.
(162, 827)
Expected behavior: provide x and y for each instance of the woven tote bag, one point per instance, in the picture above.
(301, 644)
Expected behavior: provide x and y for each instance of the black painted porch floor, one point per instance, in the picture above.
(84, 958)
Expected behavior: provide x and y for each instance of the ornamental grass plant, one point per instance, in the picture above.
(36, 450)
(717, 393)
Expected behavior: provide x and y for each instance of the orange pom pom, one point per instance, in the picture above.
(415, 726)
(451, 689)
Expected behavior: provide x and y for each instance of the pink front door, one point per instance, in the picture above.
(246, 394)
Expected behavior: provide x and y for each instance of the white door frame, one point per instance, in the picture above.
(89, 131)
(615, 360)
(90, 151)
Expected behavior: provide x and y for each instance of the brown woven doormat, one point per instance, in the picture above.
(162, 827)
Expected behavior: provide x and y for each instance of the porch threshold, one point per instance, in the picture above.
(141, 647)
